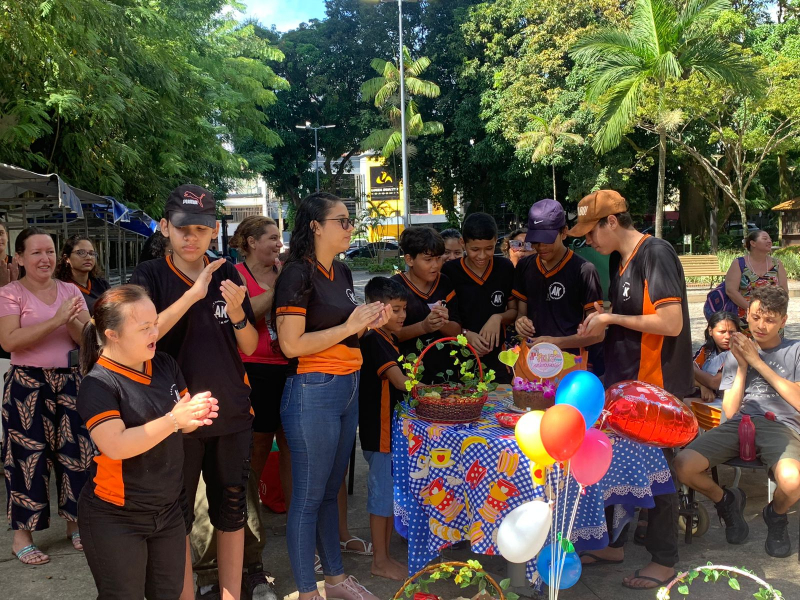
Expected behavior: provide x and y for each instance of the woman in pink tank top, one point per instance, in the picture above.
(259, 240)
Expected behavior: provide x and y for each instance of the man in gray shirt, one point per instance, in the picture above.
(760, 379)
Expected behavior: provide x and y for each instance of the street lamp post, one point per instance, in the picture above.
(316, 148)
(404, 149)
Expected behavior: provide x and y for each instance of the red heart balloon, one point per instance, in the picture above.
(647, 414)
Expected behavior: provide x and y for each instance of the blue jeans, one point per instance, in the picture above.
(319, 413)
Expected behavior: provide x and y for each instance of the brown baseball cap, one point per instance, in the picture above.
(594, 207)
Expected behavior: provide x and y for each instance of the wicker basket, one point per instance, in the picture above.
(454, 404)
(456, 565)
(532, 400)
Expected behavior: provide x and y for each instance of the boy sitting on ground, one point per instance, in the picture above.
(382, 386)
(760, 379)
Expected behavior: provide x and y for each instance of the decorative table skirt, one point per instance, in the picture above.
(457, 482)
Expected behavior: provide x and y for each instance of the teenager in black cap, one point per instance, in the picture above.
(483, 286)
(555, 287)
(647, 333)
(134, 401)
(205, 318)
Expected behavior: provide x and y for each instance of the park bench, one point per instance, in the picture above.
(701, 265)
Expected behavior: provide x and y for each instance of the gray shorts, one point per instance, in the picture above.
(774, 442)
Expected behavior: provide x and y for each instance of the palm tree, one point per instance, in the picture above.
(547, 139)
(385, 90)
(663, 42)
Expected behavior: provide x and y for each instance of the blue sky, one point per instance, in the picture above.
(285, 14)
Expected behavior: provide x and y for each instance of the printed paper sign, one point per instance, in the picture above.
(545, 360)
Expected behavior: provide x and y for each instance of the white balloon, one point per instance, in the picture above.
(523, 531)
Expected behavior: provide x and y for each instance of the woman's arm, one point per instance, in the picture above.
(118, 442)
(296, 341)
(733, 278)
(262, 304)
(14, 337)
(76, 325)
(782, 279)
(707, 379)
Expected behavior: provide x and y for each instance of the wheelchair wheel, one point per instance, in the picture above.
(700, 522)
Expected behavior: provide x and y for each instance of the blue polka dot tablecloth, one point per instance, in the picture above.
(457, 482)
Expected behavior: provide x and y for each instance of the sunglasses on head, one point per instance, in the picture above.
(518, 246)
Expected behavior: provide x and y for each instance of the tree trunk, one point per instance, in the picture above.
(784, 179)
(712, 226)
(740, 203)
(554, 183)
(662, 173)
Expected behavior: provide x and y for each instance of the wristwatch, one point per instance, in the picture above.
(241, 324)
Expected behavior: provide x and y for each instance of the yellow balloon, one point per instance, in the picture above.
(530, 440)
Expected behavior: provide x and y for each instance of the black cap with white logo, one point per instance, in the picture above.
(191, 205)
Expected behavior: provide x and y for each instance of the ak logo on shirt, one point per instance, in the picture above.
(626, 291)
(497, 298)
(351, 294)
(175, 393)
(220, 312)
(557, 290)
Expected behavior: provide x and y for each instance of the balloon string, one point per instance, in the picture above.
(562, 555)
(554, 532)
(572, 521)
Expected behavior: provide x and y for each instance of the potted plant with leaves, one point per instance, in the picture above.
(464, 574)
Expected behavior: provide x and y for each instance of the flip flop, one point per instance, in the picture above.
(367, 551)
(29, 553)
(597, 561)
(75, 538)
(658, 582)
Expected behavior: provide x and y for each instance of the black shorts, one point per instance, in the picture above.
(224, 461)
(133, 554)
(266, 385)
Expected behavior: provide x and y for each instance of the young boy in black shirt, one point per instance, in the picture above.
(204, 319)
(432, 311)
(483, 286)
(381, 388)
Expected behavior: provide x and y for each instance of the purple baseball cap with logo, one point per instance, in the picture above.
(546, 219)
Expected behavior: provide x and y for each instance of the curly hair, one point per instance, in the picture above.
(63, 269)
(504, 247)
(253, 226)
(156, 246)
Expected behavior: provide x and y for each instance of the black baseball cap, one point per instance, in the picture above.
(546, 219)
(191, 205)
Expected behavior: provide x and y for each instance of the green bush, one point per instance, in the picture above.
(789, 256)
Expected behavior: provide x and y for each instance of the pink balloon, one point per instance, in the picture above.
(590, 463)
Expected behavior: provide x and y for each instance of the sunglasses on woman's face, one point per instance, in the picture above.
(518, 246)
(345, 222)
(85, 253)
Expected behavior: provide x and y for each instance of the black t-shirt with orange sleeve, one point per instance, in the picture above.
(376, 394)
(417, 310)
(480, 297)
(150, 481)
(329, 303)
(652, 277)
(93, 290)
(203, 341)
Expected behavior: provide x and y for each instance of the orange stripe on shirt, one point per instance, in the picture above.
(650, 352)
(450, 296)
(290, 310)
(385, 367)
(336, 360)
(658, 303)
(102, 418)
(108, 484)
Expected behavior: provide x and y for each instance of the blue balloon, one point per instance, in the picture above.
(571, 566)
(584, 391)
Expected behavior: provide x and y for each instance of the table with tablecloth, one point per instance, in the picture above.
(457, 482)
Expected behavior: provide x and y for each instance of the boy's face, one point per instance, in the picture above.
(765, 326)
(424, 266)
(190, 242)
(453, 249)
(548, 251)
(395, 322)
(603, 238)
(480, 252)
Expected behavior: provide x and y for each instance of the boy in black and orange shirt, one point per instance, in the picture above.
(381, 388)
(205, 318)
(432, 311)
(483, 285)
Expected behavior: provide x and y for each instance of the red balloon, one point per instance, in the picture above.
(647, 414)
(562, 431)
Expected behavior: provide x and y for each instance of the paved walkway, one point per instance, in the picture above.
(67, 576)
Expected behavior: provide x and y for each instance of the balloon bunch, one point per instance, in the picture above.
(562, 440)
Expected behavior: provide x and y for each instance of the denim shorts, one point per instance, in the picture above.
(380, 485)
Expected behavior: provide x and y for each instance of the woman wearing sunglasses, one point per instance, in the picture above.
(78, 265)
(516, 248)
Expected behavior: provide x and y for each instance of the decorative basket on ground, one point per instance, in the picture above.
(469, 573)
(451, 402)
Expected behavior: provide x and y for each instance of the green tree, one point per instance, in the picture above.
(663, 42)
(384, 90)
(546, 140)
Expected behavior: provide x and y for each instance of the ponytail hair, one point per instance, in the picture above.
(109, 313)
(253, 226)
